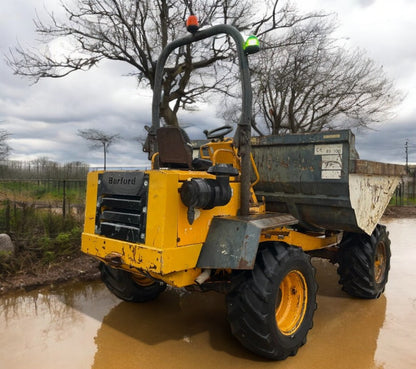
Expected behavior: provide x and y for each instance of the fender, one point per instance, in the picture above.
(232, 241)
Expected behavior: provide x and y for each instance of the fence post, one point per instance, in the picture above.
(7, 216)
(64, 199)
(401, 192)
(15, 213)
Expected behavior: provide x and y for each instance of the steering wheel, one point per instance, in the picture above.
(219, 132)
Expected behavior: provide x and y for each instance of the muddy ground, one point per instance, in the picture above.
(85, 268)
(81, 268)
(400, 212)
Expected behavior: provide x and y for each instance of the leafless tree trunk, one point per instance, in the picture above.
(99, 139)
(4, 147)
(135, 32)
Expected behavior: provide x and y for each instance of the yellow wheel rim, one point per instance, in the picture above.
(380, 262)
(141, 280)
(291, 302)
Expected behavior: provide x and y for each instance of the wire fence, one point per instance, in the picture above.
(58, 197)
(405, 194)
(41, 184)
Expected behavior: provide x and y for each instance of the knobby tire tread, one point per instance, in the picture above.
(121, 284)
(250, 306)
(356, 263)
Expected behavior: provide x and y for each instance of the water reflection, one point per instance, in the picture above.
(45, 326)
(84, 326)
(61, 304)
(346, 329)
(177, 331)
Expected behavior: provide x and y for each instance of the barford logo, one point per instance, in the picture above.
(121, 180)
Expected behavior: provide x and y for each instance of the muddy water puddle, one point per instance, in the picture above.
(84, 326)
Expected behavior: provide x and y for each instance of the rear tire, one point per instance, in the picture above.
(129, 287)
(271, 310)
(364, 263)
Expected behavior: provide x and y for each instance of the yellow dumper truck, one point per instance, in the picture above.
(244, 218)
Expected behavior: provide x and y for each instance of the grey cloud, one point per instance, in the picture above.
(366, 2)
(387, 142)
(43, 119)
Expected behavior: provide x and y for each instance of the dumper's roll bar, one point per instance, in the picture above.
(242, 136)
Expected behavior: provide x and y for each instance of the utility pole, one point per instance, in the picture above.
(406, 149)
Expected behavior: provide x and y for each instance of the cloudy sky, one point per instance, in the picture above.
(43, 118)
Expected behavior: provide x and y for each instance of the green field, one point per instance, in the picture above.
(44, 220)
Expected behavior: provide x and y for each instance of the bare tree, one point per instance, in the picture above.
(312, 83)
(134, 32)
(99, 139)
(4, 147)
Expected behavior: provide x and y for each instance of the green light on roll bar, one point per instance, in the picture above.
(252, 45)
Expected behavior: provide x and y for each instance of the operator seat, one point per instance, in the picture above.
(175, 149)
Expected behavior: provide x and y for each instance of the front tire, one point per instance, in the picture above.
(364, 263)
(271, 310)
(129, 287)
